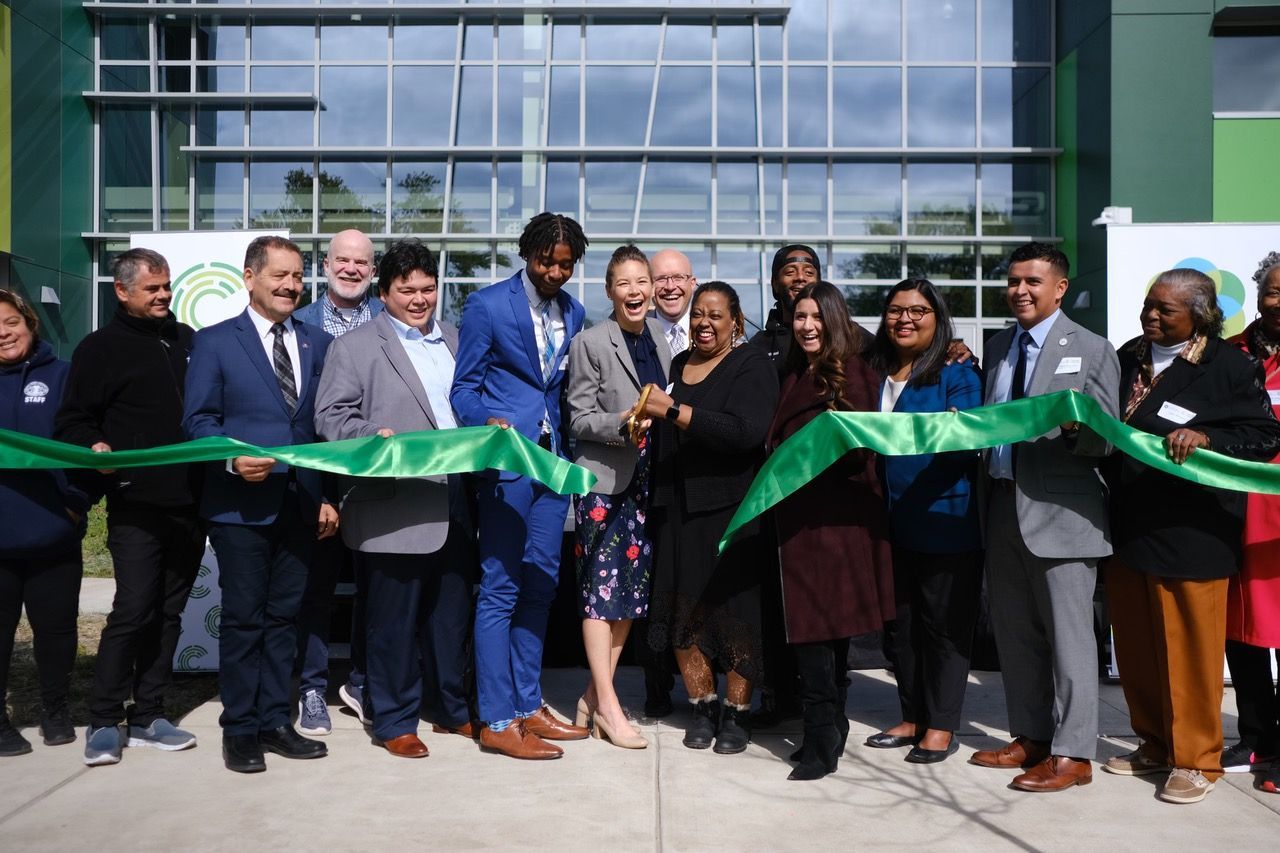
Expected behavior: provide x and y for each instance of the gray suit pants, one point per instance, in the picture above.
(1042, 614)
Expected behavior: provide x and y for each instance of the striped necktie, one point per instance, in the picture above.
(284, 369)
(549, 346)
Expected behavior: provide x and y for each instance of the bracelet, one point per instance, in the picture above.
(673, 412)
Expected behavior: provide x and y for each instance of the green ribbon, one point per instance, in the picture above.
(831, 435)
(429, 453)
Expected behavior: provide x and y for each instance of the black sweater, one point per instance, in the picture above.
(125, 388)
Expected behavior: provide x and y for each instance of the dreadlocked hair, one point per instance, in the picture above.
(547, 230)
(839, 344)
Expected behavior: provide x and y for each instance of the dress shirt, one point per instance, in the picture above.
(1001, 458)
(263, 326)
(668, 328)
(338, 321)
(535, 313)
(433, 363)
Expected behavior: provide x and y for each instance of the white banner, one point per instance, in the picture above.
(197, 649)
(207, 269)
(1226, 252)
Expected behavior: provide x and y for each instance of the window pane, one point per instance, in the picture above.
(219, 127)
(1015, 30)
(617, 104)
(686, 41)
(734, 40)
(941, 263)
(469, 260)
(863, 262)
(941, 107)
(471, 201)
(994, 302)
(352, 195)
(219, 40)
(422, 96)
(737, 107)
(868, 107)
(353, 41)
(807, 108)
(737, 198)
(995, 263)
(175, 78)
(219, 78)
(283, 41)
(771, 106)
(622, 41)
(355, 105)
(772, 198)
(562, 187)
(518, 192)
(519, 105)
(562, 118)
(566, 40)
(868, 198)
(807, 29)
(477, 41)
(124, 38)
(521, 41)
(677, 198)
(280, 196)
(941, 198)
(1015, 107)
(417, 197)
(868, 29)
(736, 260)
(940, 29)
(125, 78)
(475, 106)
(219, 194)
(771, 38)
(1245, 70)
(425, 41)
(611, 195)
(175, 129)
(281, 125)
(126, 168)
(506, 260)
(175, 40)
(1015, 198)
(682, 115)
(807, 198)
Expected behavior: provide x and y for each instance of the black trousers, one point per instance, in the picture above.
(931, 637)
(262, 570)
(49, 587)
(155, 554)
(418, 614)
(1257, 696)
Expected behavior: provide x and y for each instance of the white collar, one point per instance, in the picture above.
(263, 325)
(412, 333)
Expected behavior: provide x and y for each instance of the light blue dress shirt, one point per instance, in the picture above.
(1000, 462)
(433, 363)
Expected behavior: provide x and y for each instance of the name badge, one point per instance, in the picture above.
(1070, 364)
(1175, 413)
(1275, 397)
(671, 387)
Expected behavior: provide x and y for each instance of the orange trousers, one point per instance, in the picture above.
(1170, 637)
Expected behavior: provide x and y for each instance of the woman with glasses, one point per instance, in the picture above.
(933, 522)
(40, 561)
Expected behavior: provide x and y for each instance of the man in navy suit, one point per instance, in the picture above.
(254, 378)
(510, 372)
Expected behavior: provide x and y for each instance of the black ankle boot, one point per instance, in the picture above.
(11, 740)
(735, 731)
(55, 726)
(706, 721)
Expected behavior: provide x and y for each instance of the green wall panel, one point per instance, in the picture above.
(1246, 170)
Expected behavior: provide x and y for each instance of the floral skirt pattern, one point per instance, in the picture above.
(614, 556)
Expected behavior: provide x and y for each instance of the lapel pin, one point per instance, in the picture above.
(1062, 342)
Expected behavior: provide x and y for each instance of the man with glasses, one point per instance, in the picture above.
(673, 286)
(347, 304)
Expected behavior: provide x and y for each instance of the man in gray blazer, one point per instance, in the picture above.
(1046, 528)
(411, 535)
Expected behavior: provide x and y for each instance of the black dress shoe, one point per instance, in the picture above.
(287, 742)
(880, 740)
(932, 756)
(242, 754)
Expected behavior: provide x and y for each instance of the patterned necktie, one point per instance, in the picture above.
(1019, 389)
(284, 369)
(678, 343)
(549, 338)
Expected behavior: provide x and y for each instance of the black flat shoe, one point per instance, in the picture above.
(287, 742)
(242, 754)
(880, 740)
(932, 756)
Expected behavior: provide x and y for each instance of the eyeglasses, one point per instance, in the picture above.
(914, 312)
(678, 278)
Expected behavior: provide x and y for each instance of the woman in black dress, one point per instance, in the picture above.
(710, 431)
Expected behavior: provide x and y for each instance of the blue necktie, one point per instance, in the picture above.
(549, 346)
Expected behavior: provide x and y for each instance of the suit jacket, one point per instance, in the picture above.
(1172, 527)
(232, 390)
(1061, 500)
(313, 312)
(498, 372)
(602, 383)
(369, 384)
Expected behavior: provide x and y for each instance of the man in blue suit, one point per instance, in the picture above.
(254, 378)
(510, 372)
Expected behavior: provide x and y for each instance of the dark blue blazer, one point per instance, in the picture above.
(498, 373)
(933, 506)
(231, 390)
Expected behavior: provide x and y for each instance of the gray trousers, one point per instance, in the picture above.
(1042, 615)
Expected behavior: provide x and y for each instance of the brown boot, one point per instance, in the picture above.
(1021, 752)
(517, 742)
(547, 725)
(1055, 773)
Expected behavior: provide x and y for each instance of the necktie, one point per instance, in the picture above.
(677, 340)
(1019, 389)
(284, 369)
(549, 338)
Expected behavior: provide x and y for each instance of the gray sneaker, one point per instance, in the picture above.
(102, 745)
(161, 734)
(1185, 786)
(313, 714)
(1134, 764)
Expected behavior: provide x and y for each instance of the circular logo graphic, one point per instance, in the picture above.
(36, 389)
(199, 590)
(188, 656)
(1231, 293)
(213, 620)
(209, 293)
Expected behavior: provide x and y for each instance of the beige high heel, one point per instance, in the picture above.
(626, 741)
(584, 714)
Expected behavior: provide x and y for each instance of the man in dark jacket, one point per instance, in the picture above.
(794, 267)
(124, 392)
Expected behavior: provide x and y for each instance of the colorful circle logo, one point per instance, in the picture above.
(1231, 293)
(209, 293)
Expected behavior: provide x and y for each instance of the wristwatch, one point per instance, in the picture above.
(673, 412)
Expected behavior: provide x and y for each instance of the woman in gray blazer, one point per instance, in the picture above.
(608, 365)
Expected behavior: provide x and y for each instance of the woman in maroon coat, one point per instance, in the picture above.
(837, 574)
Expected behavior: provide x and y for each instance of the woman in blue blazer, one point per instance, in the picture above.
(933, 520)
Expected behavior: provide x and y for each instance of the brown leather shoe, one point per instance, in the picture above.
(1055, 773)
(406, 746)
(548, 726)
(516, 741)
(466, 730)
(1021, 752)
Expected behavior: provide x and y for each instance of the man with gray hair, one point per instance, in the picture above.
(125, 392)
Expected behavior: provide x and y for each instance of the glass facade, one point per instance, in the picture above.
(899, 137)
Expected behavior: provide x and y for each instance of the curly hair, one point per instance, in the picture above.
(547, 230)
(1266, 267)
(839, 342)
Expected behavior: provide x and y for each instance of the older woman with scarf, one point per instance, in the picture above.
(1177, 543)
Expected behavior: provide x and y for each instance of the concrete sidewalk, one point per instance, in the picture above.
(600, 797)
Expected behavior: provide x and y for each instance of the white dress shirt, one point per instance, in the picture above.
(263, 326)
(1001, 458)
(433, 363)
(669, 332)
(535, 313)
